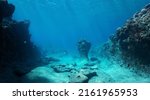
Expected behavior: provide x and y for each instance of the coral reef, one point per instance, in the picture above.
(83, 48)
(133, 39)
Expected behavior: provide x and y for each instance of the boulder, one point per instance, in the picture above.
(81, 76)
(44, 74)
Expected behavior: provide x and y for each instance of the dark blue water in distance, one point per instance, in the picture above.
(60, 24)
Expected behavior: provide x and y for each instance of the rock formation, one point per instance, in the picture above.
(6, 10)
(133, 39)
(83, 48)
(16, 49)
(81, 76)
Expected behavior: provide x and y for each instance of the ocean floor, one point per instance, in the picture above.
(73, 69)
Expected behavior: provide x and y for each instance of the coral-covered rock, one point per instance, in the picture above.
(133, 39)
(83, 48)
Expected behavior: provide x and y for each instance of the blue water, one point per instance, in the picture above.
(60, 24)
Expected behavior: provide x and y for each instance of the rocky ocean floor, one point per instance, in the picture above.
(76, 70)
